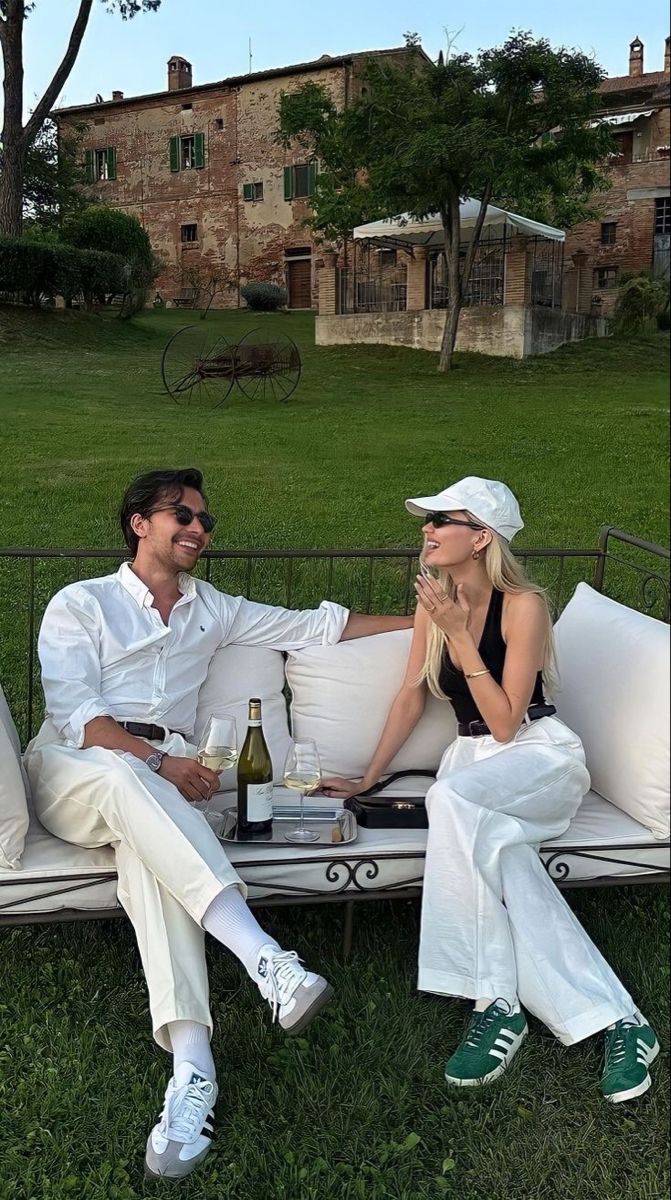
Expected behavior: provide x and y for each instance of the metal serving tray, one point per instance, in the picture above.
(335, 826)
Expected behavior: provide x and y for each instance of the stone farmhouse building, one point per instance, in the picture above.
(634, 230)
(200, 166)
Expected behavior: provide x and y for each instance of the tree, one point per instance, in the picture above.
(17, 138)
(116, 232)
(513, 125)
(53, 179)
(642, 298)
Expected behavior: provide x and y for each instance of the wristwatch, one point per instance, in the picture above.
(154, 760)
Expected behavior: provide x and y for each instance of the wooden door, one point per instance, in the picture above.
(299, 281)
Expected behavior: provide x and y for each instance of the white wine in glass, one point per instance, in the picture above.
(302, 773)
(217, 749)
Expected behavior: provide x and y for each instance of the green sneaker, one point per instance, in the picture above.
(492, 1039)
(630, 1048)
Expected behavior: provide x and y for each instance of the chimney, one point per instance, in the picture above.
(179, 73)
(117, 95)
(636, 57)
(667, 56)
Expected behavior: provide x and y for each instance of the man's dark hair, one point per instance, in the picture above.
(149, 490)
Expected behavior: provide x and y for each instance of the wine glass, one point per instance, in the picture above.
(218, 750)
(302, 773)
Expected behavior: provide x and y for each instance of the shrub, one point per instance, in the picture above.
(641, 299)
(41, 270)
(264, 297)
(664, 319)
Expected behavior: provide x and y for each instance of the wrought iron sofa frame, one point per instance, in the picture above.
(633, 566)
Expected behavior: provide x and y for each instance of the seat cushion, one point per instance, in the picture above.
(235, 674)
(341, 696)
(614, 692)
(13, 792)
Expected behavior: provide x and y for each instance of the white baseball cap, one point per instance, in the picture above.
(490, 501)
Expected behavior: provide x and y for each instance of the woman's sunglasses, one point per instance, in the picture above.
(438, 519)
(185, 515)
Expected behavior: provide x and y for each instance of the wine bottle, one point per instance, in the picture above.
(255, 778)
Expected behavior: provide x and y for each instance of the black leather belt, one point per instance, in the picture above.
(479, 728)
(155, 733)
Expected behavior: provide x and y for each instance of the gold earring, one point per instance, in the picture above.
(476, 554)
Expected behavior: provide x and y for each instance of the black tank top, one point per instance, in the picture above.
(492, 650)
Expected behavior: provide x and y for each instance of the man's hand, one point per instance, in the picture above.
(189, 777)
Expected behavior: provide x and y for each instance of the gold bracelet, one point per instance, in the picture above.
(474, 674)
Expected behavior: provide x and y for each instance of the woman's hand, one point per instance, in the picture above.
(450, 616)
(341, 789)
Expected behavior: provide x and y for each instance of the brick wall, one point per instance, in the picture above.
(629, 204)
(245, 239)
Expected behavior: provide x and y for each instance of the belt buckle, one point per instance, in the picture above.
(473, 732)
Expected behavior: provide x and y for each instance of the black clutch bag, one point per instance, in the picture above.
(390, 812)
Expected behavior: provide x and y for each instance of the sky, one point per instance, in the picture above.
(214, 36)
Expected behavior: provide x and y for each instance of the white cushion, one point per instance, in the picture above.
(341, 696)
(235, 674)
(13, 792)
(614, 692)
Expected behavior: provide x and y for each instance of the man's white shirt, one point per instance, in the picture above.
(105, 651)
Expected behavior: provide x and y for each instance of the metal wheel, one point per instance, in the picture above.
(197, 367)
(267, 368)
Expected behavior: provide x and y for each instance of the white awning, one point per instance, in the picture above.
(622, 118)
(429, 231)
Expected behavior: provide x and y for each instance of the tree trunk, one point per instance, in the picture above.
(451, 219)
(11, 194)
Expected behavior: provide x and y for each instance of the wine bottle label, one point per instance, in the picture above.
(255, 724)
(259, 801)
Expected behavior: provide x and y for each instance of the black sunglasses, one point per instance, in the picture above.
(185, 515)
(437, 519)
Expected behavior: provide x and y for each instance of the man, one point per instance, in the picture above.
(123, 658)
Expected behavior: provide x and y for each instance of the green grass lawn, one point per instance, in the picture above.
(358, 1107)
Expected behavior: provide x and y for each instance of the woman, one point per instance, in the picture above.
(494, 927)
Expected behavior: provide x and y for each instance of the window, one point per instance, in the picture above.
(187, 152)
(663, 214)
(252, 191)
(608, 233)
(299, 180)
(99, 121)
(100, 164)
(187, 107)
(219, 123)
(605, 277)
(189, 233)
(387, 258)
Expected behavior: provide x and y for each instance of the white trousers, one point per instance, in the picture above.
(169, 862)
(493, 922)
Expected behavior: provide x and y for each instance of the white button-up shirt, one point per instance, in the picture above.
(105, 650)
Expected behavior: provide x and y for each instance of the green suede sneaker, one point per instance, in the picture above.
(630, 1048)
(492, 1039)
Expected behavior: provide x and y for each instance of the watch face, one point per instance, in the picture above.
(154, 761)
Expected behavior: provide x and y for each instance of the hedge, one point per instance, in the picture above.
(38, 270)
(264, 297)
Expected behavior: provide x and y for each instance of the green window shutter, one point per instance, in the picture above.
(247, 191)
(288, 183)
(111, 162)
(174, 154)
(312, 177)
(88, 165)
(200, 149)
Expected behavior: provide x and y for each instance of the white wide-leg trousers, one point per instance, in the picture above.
(169, 862)
(493, 922)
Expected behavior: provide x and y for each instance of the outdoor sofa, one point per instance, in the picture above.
(613, 665)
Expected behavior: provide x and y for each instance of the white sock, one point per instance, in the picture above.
(190, 1043)
(484, 1002)
(232, 923)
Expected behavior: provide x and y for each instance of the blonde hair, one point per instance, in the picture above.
(505, 575)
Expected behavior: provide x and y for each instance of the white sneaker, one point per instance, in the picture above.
(182, 1137)
(294, 994)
